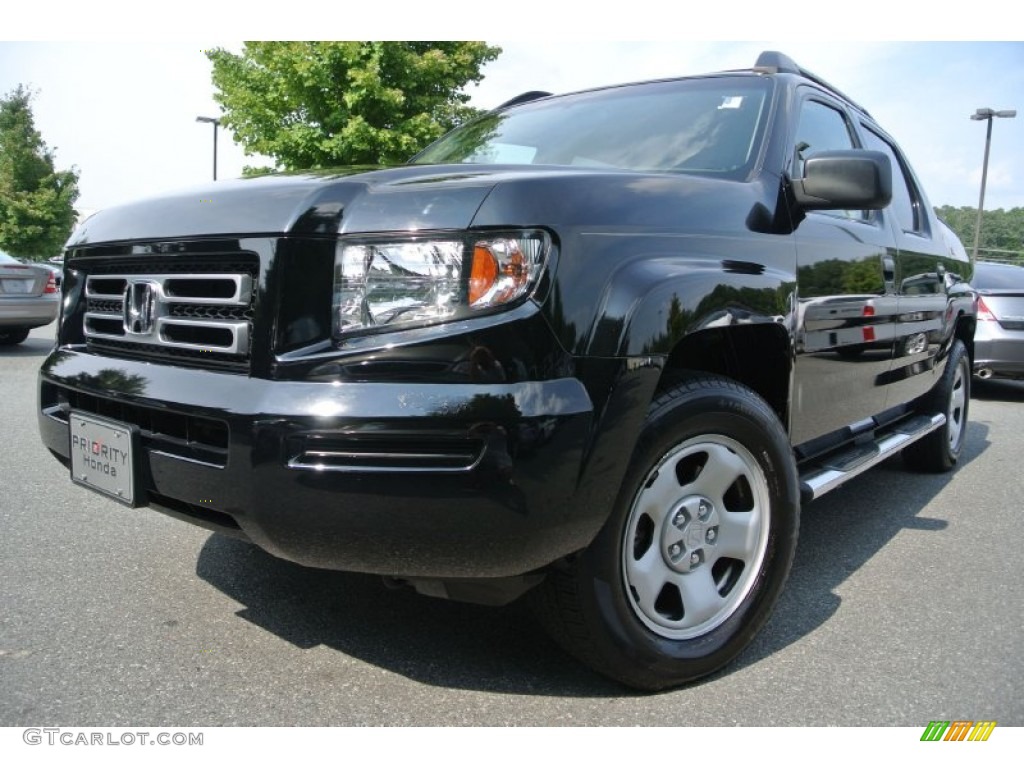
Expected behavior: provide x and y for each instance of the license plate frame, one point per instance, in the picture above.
(103, 453)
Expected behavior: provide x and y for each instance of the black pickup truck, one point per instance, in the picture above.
(595, 349)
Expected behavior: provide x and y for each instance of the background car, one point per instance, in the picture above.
(999, 338)
(29, 298)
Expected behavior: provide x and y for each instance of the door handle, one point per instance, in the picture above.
(889, 274)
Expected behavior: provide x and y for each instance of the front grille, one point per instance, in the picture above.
(207, 312)
(151, 265)
(105, 307)
(195, 312)
(1012, 325)
(171, 355)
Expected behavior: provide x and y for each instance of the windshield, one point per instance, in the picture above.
(708, 125)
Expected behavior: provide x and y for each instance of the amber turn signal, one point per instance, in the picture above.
(483, 273)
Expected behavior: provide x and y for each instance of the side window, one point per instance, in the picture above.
(822, 127)
(904, 199)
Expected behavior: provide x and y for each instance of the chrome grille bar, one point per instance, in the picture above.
(224, 289)
(140, 309)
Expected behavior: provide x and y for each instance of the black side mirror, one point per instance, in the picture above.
(844, 179)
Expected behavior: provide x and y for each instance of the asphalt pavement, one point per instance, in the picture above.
(904, 606)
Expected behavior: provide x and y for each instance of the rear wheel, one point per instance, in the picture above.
(9, 336)
(939, 451)
(697, 549)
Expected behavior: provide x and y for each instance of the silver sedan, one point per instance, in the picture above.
(999, 338)
(29, 298)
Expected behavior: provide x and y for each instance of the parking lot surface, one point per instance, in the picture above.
(904, 606)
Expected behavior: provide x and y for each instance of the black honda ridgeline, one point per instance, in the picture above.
(597, 348)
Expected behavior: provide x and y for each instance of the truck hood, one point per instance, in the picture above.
(310, 203)
(412, 198)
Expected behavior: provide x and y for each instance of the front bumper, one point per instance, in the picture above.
(420, 480)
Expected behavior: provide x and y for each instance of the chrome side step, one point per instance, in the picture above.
(829, 472)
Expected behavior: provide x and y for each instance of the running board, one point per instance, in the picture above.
(831, 471)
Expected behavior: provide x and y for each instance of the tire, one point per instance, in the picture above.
(697, 548)
(11, 336)
(940, 450)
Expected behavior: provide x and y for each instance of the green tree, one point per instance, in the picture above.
(37, 202)
(322, 104)
(1002, 231)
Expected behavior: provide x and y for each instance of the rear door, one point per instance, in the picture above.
(926, 279)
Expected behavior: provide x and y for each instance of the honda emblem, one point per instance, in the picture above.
(139, 298)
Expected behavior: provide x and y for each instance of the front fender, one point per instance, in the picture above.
(648, 306)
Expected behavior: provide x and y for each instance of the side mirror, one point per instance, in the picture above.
(845, 179)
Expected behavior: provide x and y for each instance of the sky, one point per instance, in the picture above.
(123, 111)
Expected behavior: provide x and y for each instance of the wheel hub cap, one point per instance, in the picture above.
(696, 537)
(689, 533)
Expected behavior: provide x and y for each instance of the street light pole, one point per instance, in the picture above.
(215, 122)
(987, 115)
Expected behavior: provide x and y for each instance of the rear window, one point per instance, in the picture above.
(707, 125)
(998, 277)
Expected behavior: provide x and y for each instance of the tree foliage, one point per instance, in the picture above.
(322, 104)
(37, 210)
(1002, 231)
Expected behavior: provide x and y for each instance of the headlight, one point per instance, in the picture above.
(391, 284)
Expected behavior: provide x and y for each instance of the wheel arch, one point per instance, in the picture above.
(659, 321)
(758, 356)
(964, 330)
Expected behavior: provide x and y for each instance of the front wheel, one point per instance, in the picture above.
(697, 548)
